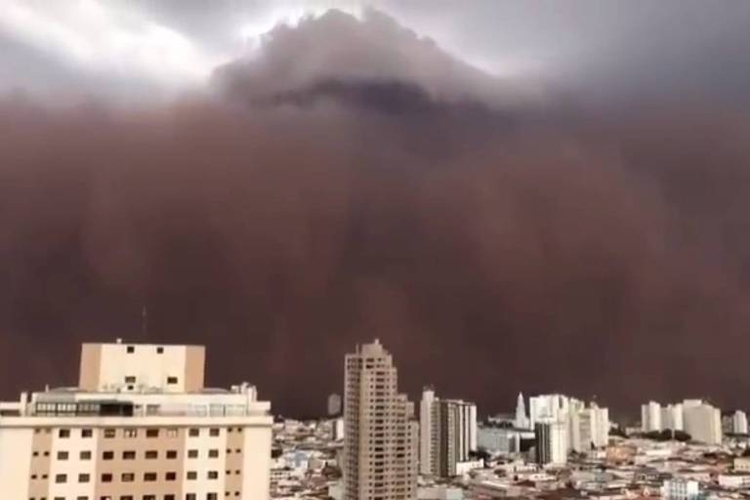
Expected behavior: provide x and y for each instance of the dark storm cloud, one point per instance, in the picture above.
(492, 244)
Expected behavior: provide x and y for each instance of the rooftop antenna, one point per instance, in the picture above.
(144, 323)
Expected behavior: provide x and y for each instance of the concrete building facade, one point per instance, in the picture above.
(551, 442)
(448, 433)
(381, 435)
(147, 442)
(702, 421)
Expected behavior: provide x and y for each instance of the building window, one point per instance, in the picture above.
(130, 379)
(152, 433)
(109, 433)
(194, 432)
(191, 496)
(212, 496)
(63, 433)
(108, 455)
(214, 432)
(149, 497)
(84, 478)
(130, 433)
(170, 476)
(62, 455)
(152, 454)
(128, 455)
(35, 454)
(61, 478)
(127, 477)
(84, 455)
(130, 349)
(212, 474)
(126, 497)
(172, 380)
(106, 478)
(192, 475)
(159, 350)
(192, 453)
(149, 477)
(213, 453)
(171, 454)
(86, 433)
(169, 497)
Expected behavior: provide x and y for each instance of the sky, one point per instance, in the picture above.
(512, 195)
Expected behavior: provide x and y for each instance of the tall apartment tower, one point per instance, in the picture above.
(141, 426)
(651, 414)
(702, 421)
(334, 405)
(448, 433)
(551, 442)
(380, 436)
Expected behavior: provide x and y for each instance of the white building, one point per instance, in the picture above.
(551, 442)
(702, 421)
(499, 439)
(651, 417)
(739, 422)
(522, 420)
(140, 426)
(546, 407)
(337, 428)
(333, 405)
(588, 428)
(448, 433)
(672, 417)
(680, 489)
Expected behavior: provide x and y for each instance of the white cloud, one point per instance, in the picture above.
(96, 37)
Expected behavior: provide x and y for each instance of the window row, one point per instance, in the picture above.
(133, 433)
(131, 454)
(129, 477)
(167, 496)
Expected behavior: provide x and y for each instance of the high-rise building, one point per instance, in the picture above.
(551, 442)
(380, 435)
(337, 429)
(588, 428)
(702, 421)
(334, 405)
(548, 407)
(671, 417)
(140, 426)
(651, 417)
(448, 433)
(522, 420)
(739, 422)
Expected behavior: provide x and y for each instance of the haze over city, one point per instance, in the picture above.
(537, 195)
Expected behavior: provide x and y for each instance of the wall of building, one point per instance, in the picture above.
(15, 462)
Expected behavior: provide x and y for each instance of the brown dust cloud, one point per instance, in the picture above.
(353, 181)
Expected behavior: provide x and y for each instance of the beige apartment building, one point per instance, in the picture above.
(140, 426)
(381, 435)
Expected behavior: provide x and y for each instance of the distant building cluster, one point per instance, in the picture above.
(699, 419)
(141, 424)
